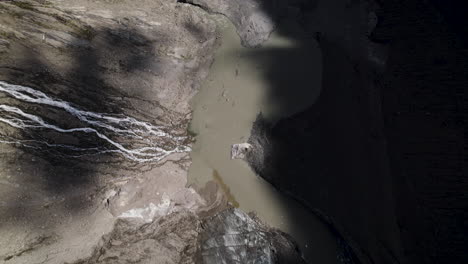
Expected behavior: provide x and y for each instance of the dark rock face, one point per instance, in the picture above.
(332, 155)
(231, 236)
(380, 154)
(424, 108)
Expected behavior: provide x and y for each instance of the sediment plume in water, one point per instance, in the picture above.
(227, 192)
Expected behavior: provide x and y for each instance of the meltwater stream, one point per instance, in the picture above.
(113, 133)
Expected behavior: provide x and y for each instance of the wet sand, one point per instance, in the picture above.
(234, 93)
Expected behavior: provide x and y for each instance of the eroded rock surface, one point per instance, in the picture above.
(253, 19)
(231, 236)
(94, 112)
(170, 239)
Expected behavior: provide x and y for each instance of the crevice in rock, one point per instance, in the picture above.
(188, 2)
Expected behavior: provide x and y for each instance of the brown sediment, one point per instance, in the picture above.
(230, 197)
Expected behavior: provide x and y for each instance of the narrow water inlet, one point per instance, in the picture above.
(234, 93)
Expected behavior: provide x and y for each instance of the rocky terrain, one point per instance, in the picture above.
(228, 237)
(94, 142)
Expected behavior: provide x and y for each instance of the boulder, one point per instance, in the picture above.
(238, 151)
